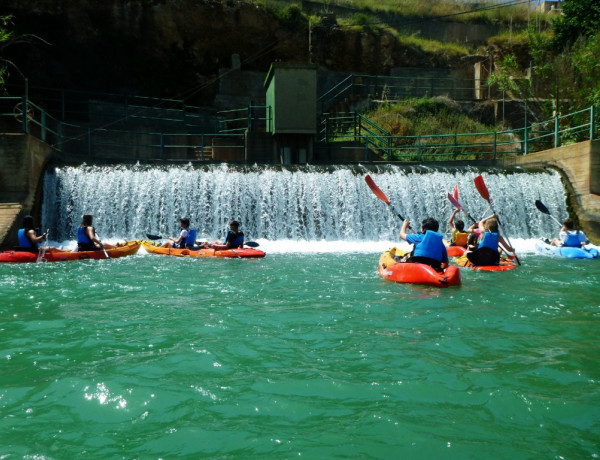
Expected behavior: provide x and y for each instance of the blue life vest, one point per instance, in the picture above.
(82, 235)
(489, 240)
(237, 241)
(572, 240)
(25, 242)
(190, 240)
(431, 246)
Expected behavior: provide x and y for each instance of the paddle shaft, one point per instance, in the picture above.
(42, 251)
(458, 206)
(382, 196)
(542, 208)
(103, 248)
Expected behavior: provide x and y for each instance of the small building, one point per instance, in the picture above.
(547, 6)
(291, 93)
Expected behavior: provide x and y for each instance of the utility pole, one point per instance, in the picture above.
(309, 40)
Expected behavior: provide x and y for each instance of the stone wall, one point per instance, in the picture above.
(580, 166)
(23, 159)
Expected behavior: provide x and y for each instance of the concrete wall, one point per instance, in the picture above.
(580, 166)
(23, 159)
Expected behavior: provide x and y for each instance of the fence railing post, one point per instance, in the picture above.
(592, 122)
(526, 138)
(24, 112)
(556, 132)
(419, 148)
(43, 133)
(495, 143)
(366, 148)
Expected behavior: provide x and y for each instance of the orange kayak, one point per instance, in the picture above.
(240, 253)
(55, 255)
(504, 265)
(414, 273)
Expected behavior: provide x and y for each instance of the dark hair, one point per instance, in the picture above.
(234, 224)
(459, 225)
(28, 222)
(568, 223)
(185, 221)
(86, 221)
(472, 239)
(430, 224)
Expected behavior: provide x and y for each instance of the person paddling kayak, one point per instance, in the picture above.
(234, 238)
(87, 240)
(429, 245)
(490, 244)
(28, 240)
(186, 239)
(458, 236)
(569, 237)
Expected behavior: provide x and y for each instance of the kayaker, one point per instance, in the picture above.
(458, 236)
(490, 245)
(186, 239)
(570, 237)
(28, 240)
(234, 238)
(87, 240)
(428, 246)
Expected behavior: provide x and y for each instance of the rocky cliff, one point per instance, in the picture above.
(176, 48)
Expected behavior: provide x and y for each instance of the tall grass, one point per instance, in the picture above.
(438, 115)
(465, 11)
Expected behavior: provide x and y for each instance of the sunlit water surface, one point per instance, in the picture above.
(304, 354)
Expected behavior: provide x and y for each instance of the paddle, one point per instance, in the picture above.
(485, 194)
(544, 209)
(42, 251)
(103, 248)
(379, 194)
(457, 205)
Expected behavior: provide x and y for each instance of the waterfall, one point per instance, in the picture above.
(307, 203)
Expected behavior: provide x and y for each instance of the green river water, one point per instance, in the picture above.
(301, 355)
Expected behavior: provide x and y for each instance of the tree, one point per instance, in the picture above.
(6, 35)
(578, 18)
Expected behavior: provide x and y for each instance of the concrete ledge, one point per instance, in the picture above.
(579, 165)
(23, 159)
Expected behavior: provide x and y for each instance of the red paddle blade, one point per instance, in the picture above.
(454, 202)
(455, 192)
(376, 190)
(481, 188)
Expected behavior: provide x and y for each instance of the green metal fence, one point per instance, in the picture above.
(18, 114)
(560, 130)
(378, 87)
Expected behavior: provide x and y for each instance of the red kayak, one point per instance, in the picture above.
(56, 255)
(415, 273)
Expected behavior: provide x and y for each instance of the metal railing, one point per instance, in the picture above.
(391, 88)
(18, 114)
(252, 118)
(560, 130)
